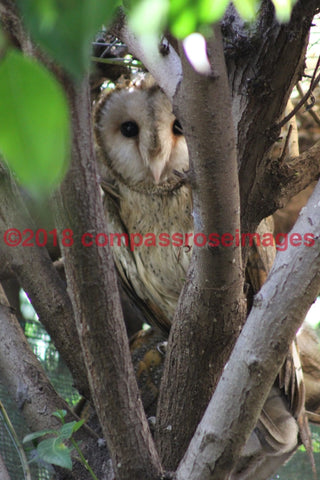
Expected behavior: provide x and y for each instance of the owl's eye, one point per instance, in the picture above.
(176, 128)
(129, 129)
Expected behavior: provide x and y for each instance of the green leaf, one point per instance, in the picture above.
(247, 8)
(34, 119)
(61, 414)
(188, 16)
(54, 451)
(65, 28)
(149, 17)
(41, 433)
(210, 11)
(185, 23)
(78, 425)
(283, 9)
(66, 430)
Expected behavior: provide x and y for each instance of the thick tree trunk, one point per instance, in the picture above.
(93, 290)
(211, 307)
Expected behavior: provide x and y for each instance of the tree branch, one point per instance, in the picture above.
(166, 69)
(276, 315)
(263, 65)
(314, 82)
(211, 307)
(28, 384)
(38, 277)
(93, 290)
(287, 178)
(25, 380)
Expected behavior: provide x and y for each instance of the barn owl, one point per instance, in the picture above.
(141, 148)
(140, 141)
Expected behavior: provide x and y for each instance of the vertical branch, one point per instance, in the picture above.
(93, 290)
(211, 308)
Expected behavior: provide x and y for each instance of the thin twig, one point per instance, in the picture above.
(283, 153)
(309, 110)
(314, 82)
(118, 61)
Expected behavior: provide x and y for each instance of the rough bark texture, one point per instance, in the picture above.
(35, 396)
(93, 290)
(264, 64)
(26, 380)
(289, 177)
(277, 313)
(45, 289)
(212, 307)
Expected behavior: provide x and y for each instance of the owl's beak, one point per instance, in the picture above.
(155, 159)
(157, 168)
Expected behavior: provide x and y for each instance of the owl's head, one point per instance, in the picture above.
(139, 135)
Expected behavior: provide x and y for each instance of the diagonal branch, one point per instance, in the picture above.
(314, 82)
(36, 274)
(26, 380)
(28, 384)
(166, 69)
(284, 179)
(277, 313)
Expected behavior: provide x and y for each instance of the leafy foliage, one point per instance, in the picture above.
(65, 28)
(54, 450)
(34, 118)
(34, 136)
(184, 17)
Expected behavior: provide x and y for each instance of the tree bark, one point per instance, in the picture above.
(286, 178)
(211, 307)
(166, 69)
(26, 380)
(36, 274)
(278, 311)
(92, 285)
(264, 63)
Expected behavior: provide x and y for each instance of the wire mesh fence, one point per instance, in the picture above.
(61, 380)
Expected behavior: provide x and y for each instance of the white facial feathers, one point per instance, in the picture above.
(142, 136)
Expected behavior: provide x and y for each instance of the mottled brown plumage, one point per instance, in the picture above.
(141, 145)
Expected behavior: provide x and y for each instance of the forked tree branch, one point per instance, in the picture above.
(286, 178)
(277, 313)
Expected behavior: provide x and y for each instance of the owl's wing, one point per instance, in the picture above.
(309, 350)
(128, 275)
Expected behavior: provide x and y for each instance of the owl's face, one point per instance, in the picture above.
(141, 136)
